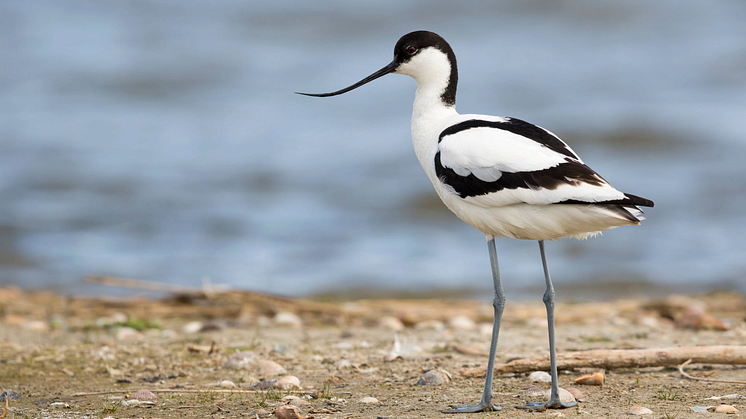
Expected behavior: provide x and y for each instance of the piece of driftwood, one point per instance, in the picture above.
(168, 390)
(621, 358)
(712, 380)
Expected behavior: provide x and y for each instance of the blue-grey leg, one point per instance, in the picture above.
(554, 400)
(485, 404)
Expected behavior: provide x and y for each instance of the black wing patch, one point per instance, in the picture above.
(516, 126)
(570, 172)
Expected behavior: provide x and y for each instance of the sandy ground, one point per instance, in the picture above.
(52, 347)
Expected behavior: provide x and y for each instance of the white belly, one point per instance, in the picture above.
(532, 222)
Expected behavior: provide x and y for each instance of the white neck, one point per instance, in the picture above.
(430, 116)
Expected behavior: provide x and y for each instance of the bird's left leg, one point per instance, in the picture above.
(554, 400)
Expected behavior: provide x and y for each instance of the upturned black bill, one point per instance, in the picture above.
(380, 73)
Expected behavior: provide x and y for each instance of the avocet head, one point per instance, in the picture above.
(422, 55)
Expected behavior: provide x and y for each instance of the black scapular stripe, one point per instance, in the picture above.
(571, 172)
(516, 126)
(628, 200)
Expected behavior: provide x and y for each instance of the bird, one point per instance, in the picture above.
(505, 177)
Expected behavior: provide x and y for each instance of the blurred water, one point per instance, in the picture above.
(161, 140)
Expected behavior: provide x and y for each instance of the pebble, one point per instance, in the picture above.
(281, 348)
(212, 325)
(287, 319)
(435, 325)
(144, 395)
(391, 357)
(343, 364)
(128, 334)
(390, 323)
(368, 400)
(540, 377)
(564, 395)
(10, 395)
(287, 382)
(242, 360)
(345, 345)
(269, 368)
(724, 408)
(192, 327)
(485, 329)
(289, 412)
(639, 410)
(299, 402)
(461, 323)
(579, 396)
(434, 378)
(227, 384)
(36, 325)
(534, 394)
(596, 379)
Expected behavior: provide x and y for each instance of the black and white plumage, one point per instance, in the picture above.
(504, 176)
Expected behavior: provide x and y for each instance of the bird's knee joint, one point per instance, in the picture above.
(498, 302)
(548, 297)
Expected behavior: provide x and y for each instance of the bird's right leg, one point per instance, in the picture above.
(485, 404)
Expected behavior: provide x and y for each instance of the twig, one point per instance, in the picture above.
(145, 285)
(712, 380)
(622, 358)
(7, 400)
(167, 390)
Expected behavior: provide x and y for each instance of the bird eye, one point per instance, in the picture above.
(410, 50)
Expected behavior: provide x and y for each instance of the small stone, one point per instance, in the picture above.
(435, 325)
(36, 326)
(540, 377)
(280, 348)
(128, 334)
(564, 395)
(534, 394)
(461, 323)
(242, 360)
(10, 395)
(485, 329)
(289, 412)
(299, 402)
(343, 364)
(639, 410)
(391, 357)
(287, 319)
(192, 327)
(269, 368)
(287, 382)
(434, 378)
(724, 408)
(345, 346)
(144, 395)
(212, 326)
(368, 399)
(579, 396)
(390, 323)
(595, 379)
(227, 384)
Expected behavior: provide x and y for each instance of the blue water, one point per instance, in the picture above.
(161, 140)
